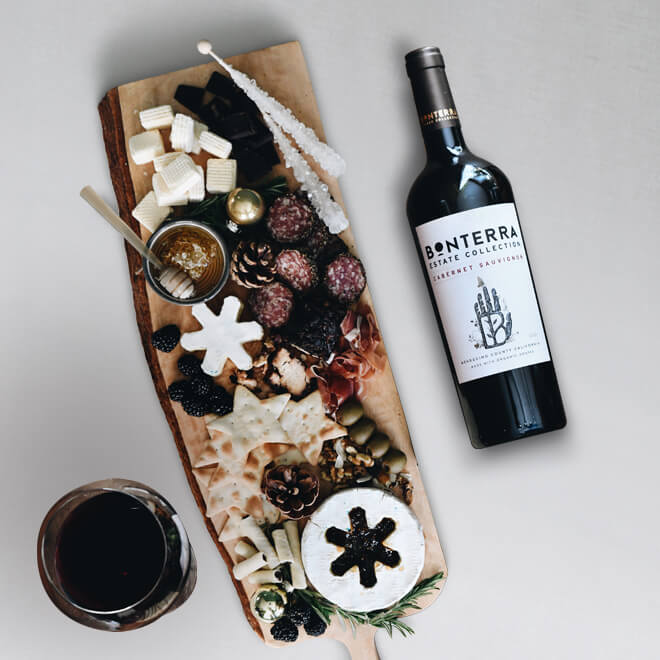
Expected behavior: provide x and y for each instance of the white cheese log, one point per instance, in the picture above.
(250, 529)
(264, 577)
(144, 147)
(249, 565)
(245, 550)
(282, 546)
(298, 579)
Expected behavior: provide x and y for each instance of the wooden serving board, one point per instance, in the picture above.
(282, 72)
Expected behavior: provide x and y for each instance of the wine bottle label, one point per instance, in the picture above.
(480, 276)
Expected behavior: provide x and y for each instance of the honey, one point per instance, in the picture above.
(195, 251)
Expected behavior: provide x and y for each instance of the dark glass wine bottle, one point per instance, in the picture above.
(463, 219)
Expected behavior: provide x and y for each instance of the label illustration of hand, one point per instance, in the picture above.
(494, 325)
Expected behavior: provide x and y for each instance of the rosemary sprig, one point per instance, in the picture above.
(212, 211)
(389, 619)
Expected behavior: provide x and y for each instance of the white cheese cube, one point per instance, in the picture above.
(214, 144)
(144, 147)
(158, 117)
(197, 191)
(182, 136)
(220, 175)
(160, 162)
(180, 174)
(149, 214)
(164, 196)
(198, 129)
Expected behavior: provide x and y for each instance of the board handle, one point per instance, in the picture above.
(362, 646)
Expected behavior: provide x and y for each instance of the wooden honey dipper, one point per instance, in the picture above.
(174, 280)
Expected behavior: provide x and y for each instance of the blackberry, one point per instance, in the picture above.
(220, 401)
(179, 390)
(284, 630)
(315, 626)
(196, 406)
(166, 338)
(189, 365)
(299, 612)
(200, 385)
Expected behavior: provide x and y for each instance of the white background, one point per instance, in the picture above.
(553, 543)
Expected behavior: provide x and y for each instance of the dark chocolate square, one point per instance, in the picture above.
(190, 97)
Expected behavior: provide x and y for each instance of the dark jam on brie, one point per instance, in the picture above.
(363, 546)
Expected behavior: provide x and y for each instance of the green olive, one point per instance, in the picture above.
(361, 431)
(378, 444)
(268, 603)
(394, 461)
(349, 412)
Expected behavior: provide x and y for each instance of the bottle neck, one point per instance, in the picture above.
(441, 128)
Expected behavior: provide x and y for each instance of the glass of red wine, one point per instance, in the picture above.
(114, 555)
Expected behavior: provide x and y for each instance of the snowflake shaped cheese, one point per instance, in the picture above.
(222, 336)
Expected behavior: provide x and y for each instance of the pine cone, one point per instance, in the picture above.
(253, 264)
(292, 489)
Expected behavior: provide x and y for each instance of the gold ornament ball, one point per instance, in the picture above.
(245, 206)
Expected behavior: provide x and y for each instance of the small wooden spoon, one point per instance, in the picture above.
(175, 281)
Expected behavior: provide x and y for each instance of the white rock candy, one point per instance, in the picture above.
(180, 175)
(162, 161)
(149, 214)
(317, 191)
(220, 175)
(159, 117)
(222, 336)
(164, 196)
(214, 144)
(144, 147)
(197, 191)
(182, 135)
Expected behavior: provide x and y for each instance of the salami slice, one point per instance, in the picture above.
(290, 219)
(272, 304)
(318, 238)
(345, 278)
(297, 270)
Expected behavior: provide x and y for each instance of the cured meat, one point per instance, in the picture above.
(345, 278)
(290, 219)
(297, 270)
(361, 334)
(315, 329)
(318, 238)
(272, 304)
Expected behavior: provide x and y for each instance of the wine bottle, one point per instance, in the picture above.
(465, 225)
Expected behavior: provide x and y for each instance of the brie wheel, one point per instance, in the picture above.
(407, 539)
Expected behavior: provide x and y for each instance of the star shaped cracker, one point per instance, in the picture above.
(252, 422)
(308, 427)
(222, 336)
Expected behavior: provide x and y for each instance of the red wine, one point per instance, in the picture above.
(465, 225)
(110, 552)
